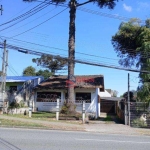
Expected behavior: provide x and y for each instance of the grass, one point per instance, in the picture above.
(47, 116)
(108, 118)
(35, 115)
(10, 123)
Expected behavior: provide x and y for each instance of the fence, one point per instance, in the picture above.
(139, 115)
(58, 107)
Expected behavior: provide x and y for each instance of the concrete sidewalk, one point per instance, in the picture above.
(92, 126)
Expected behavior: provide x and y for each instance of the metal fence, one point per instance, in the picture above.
(139, 115)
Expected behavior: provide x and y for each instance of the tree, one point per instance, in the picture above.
(45, 73)
(49, 62)
(132, 96)
(115, 93)
(73, 4)
(29, 71)
(132, 44)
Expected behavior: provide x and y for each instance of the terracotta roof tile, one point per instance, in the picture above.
(82, 81)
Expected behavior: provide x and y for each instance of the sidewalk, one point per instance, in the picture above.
(92, 126)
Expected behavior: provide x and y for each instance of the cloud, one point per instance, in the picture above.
(143, 5)
(127, 8)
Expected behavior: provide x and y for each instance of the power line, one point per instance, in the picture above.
(21, 10)
(94, 12)
(28, 12)
(60, 49)
(40, 23)
(27, 51)
(85, 54)
(31, 21)
(105, 14)
(26, 17)
(86, 59)
(10, 66)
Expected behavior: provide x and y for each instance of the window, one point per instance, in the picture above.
(48, 96)
(80, 97)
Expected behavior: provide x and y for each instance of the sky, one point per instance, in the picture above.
(50, 28)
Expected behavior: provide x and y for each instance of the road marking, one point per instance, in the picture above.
(115, 141)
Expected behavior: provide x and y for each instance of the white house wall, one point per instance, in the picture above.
(48, 106)
(51, 106)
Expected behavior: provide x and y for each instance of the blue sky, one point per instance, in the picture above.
(93, 36)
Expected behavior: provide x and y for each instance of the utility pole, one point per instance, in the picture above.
(1, 9)
(3, 76)
(128, 99)
(6, 64)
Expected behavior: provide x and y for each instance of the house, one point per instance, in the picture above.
(20, 87)
(87, 88)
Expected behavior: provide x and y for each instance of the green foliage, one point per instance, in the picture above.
(13, 105)
(108, 118)
(45, 73)
(21, 104)
(132, 95)
(138, 123)
(65, 109)
(51, 63)
(29, 71)
(144, 92)
(131, 42)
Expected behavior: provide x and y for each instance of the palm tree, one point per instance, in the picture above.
(73, 4)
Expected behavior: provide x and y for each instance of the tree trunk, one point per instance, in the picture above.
(71, 53)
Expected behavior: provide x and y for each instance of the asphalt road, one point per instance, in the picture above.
(32, 139)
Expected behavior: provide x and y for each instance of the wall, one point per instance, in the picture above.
(12, 96)
(51, 106)
(24, 90)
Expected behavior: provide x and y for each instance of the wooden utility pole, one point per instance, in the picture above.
(128, 99)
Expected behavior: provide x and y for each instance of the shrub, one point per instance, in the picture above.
(21, 104)
(139, 123)
(66, 108)
(13, 104)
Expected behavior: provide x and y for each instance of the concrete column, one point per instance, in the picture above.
(57, 110)
(83, 112)
(30, 108)
(99, 106)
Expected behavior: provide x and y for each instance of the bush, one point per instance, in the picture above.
(66, 108)
(21, 104)
(13, 104)
(139, 123)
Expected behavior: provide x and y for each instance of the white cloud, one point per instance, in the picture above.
(143, 5)
(127, 8)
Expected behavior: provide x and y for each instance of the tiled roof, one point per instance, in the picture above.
(20, 78)
(82, 81)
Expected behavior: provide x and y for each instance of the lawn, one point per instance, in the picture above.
(11, 123)
(35, 115)
(48, 116)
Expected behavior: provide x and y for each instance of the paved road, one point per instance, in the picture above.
(32, 139)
